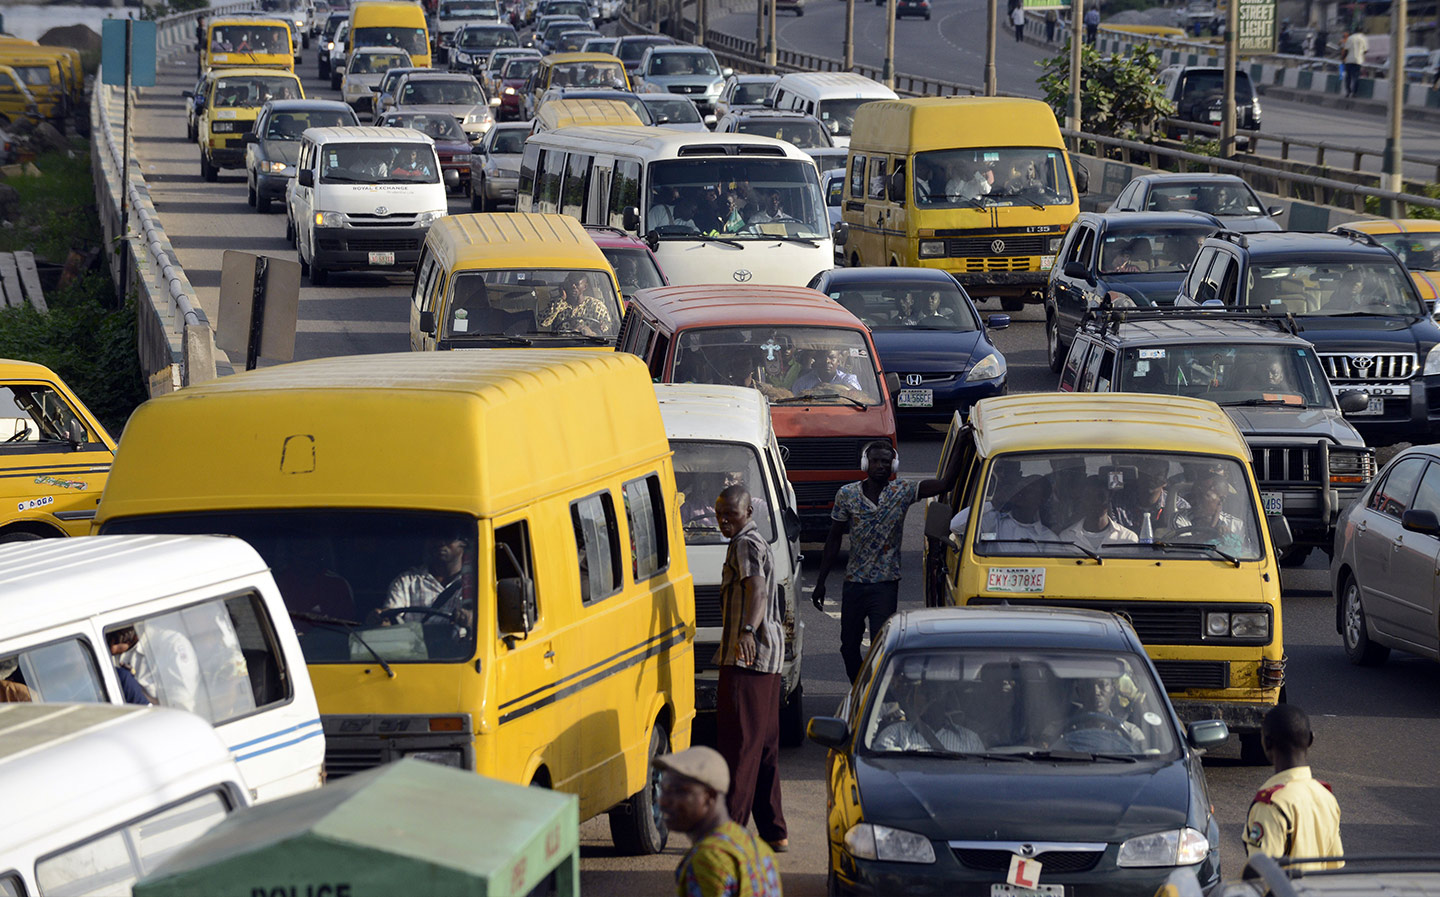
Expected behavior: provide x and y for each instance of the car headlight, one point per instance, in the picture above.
(1247, 625)
(444, 758)
(273, 167)
(479, 117)
(891, 845)
(329, 45)
(716, 87)
(329, 219)
(425, 219)
(988, 368)
(1055, 244)
(1432, 360)
(462, 58)
(1181, 847)
(932, 249)
(1351, 467)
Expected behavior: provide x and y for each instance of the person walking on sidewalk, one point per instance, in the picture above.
(1092, 24)
(1294, 814)
(1017, 18)
(1353, 52)
(1051, 19)
(751, 652)
(872, 511)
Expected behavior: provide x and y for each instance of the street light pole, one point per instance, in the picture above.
(770, 37)
(1077, 20)
(888, 74)
(990, 47)
(849, 35)
(1227, 118)
(1394, 168)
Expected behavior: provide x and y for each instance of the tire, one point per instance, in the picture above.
(324, 69)
(319, 274)
(1252, 752)
(1294, 556)
(20, 537)
(793, 719)
(300, 251)
(207, 171)
(636, 826)
(190, 131)
(927, 16)
(1353, 628)
(262, 204)
(1010, 303)
(1053, 351)
(477, 198)
(334, 81)
(250, 196)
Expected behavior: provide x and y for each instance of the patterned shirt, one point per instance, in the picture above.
(749, 555)
(589, 315)
(875, 529)
(728, 862)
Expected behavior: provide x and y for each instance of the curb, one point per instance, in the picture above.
(1342, 104)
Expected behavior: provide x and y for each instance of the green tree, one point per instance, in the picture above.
(1119, 96)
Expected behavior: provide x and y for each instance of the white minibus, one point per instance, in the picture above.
(831, 97)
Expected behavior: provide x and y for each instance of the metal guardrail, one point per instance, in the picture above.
(1320, 147)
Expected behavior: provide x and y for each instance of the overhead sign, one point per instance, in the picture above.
(1255, 32)
(142, 52)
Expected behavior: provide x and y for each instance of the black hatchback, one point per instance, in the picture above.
(988, 750)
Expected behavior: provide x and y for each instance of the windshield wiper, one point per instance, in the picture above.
(948, 755)
(697, 235)
(812, 396)
(1075, 545)
(1034, 203)
(786, 238)
(497, 337)
(334, 176)
(1193, 546)
(1265, 402)
(349, 626)
(1076, 756)
(574, 334)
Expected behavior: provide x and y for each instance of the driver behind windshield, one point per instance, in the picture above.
(826, 370)
(1207, 520)
(1097, 721)
(435, 584)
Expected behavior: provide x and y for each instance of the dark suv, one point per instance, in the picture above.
(1309, 461)
(1198, 92)
(1353, 299)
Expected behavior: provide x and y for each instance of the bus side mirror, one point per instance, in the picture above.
(830, 731)
(1207, 733)
(75, 435)
(1353, 401)
(305, 177)
(1280, 535)
(427, 323)
(842, 233)
(515, 605)
(1082, 177)
(792, 524)
(892, 383)
(631, 219)
(895, 189)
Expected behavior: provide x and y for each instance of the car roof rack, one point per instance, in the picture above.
(1104, 318)
(1359, 236)
(1232, 236)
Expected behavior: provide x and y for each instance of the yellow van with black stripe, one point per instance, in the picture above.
(481, 551)
(46, 75)
(247, 41)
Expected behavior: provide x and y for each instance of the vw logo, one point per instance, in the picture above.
(1363, 362)
(381, 210)
(913, 379)
(742, 275)
(997, 246)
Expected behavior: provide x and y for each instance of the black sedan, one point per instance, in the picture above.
(1225, 196)
(986, 750)
(1136, 258)
(274, 142)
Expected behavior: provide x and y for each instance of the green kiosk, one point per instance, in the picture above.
(412, 827)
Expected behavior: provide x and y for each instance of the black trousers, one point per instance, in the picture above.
(747, 733)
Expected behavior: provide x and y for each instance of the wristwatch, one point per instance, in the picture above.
(748, 629)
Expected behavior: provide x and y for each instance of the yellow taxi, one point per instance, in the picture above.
(54, 456)
(1416, 241)
(232, 101)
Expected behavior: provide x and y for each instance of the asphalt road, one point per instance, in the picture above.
(1375, 728)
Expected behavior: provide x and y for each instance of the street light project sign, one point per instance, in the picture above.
(1255, 31)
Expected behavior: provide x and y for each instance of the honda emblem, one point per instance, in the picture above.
(913, 379)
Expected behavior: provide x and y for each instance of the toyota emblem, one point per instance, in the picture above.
(742, 275)
(381, 210)
(1363, 362)
(997, 247)
(913, 379)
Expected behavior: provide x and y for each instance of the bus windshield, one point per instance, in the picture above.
(702, 471)
(980, 178)
(529, 303)
(350, 575)
(742, 198)
(411, 40)
(790, 365)
(375, 163)
(255, 90)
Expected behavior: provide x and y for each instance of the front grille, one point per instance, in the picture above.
(341, 762)
(810, 494)
(1155, 622)
(1367, 367)
(995, 263)
(371, 244)
(1287, 464)
(1179, 674)
(965, 247)
(686, 88)
(823, 454)
(1054, 862)
(707, 606)
(400, 220)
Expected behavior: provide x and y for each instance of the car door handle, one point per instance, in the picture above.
(1361, 527)
(1399, 540)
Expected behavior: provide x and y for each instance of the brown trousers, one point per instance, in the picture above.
(747, 723)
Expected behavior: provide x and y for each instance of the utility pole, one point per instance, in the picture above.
(990, 23)
(1232, 60)
(1077, 35)
(888, 74)
(700, 22)
(1394, 168)
(849, 35)
(770, 44)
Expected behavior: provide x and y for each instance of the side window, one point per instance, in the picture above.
(10, 885)
(1394, 494)
(857, 177)
(112, 862)
(433, 291)
(61, 671)
(218, 659)
(1196, 285)
(643, 335)
(657, 356)
(877, 177)
(529, 163)
(1092, 370)
(577, 185)
(597, 544)
(645, 515)
(513, 557)
(1074, 364)
(1427, 497)
(1080, 246)
(1106, 372)
(1223, 274)
(624, 191)
(422, 276)
(898, 170)
(547, 189)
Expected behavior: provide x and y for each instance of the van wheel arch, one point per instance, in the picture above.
(29, 531)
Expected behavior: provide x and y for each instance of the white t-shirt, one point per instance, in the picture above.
(1018, 17)
(999, 526)
(1356, 46)
(972, 187)
(1077, 533)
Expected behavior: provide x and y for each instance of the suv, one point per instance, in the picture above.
(1353, 299)
(1198, 94)
(687, 70)
(1310, 462)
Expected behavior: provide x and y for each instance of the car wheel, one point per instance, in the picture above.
(792, 718)
(20, 537)
(319, 274)
(207, 171)
(249, 193)
(334, 81)
(799, 13)
(927, 16)
(1012, 304)
(636, 826)
(1053, 350)
(1252, 752)
(262, 204)
(1358, 646)
(324, 70)
(477, 197)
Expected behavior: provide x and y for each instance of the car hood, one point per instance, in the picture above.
(957, 800)
(1145, 289)
(682, 80)
(453, 147)
(1293, 423)
(1370, 333)
(928, 351)
(286, 151)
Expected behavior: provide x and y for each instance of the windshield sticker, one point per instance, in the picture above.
(990, 157)
(1281, 397)
(1142, 368)
(78, 485)
(1151, 718)
(461, 324)
(859, 353)
(1152, 353)
(770, 348)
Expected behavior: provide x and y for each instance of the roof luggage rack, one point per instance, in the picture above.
(1104, 318)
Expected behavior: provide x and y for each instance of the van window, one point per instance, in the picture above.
(33, 418)
(10, 886)
(112, 862)
(1005, 176)
(1074, 364)
(644, 333)
(657, 355)
(624, 191)
(597, 545)
(857, 177)
(529, 163)
(877, 177)
(547, 190)
(577, 186)
(513, 557)
(60, 671)
(645, 514)
(702, 471)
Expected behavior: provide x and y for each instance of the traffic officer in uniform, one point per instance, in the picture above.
(1294, 815)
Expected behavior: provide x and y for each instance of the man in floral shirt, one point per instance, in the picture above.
(724, 860)
(872, 511)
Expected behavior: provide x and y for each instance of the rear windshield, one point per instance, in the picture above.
(803, 134)
(632, 50)
(749, 93)
(588, 74)
(290, 125)
(255, 90)
(1195, 85)
(441, 93)
(377, 63)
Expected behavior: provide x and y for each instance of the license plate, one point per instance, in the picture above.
(1273, 502)
(1015, 579)
(916, 398)
(1376, 405)
(382, 258)
(1017, 891)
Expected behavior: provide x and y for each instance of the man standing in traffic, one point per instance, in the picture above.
(872, 511)
(724, 860)
(1353, 53)
(1293, 814)
(751, 653)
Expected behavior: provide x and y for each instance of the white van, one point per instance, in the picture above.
(363, 197)
(198, 625)
(100, 795)
(831, 97)
(721, 435)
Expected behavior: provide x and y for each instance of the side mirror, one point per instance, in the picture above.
(1082, 177)
(792, 524)
(937, 521)
(768, 102)
(828, 731)
(1276, 211)
(515, 605)
(427, 323)
(631, 219)
(188, 94)
(1077, 271)
(250, 137)
(1418, 521)
(75, 436)
(892, 383)
(1207, 733)
(1280, 535)
(895, 187)
(727, 72)
(477, 150)
(841, 234)
(374, 88)
(1353, 401)
(997, 322)
(305, 178)
(662, 119)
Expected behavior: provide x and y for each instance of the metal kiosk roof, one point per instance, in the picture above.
(412, 827)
